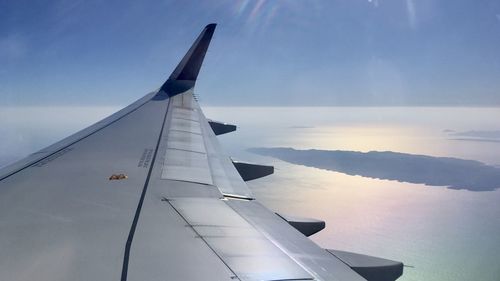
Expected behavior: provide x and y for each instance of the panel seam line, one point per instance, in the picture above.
(141, 201)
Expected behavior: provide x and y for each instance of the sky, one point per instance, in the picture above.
(264, 52)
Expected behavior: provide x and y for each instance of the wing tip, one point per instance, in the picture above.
(211, 26)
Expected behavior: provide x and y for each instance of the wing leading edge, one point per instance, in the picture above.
(178, 211)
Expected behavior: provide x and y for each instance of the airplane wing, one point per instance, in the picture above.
(148, 194)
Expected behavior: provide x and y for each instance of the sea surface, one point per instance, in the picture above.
(440, 232)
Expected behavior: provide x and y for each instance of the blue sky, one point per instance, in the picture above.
(265, 52)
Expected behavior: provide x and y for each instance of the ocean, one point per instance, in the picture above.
(440, 233)
(440, 217)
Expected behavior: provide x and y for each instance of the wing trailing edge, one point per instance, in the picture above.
(185, 74)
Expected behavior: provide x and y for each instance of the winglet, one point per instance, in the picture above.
(186, 72)
(190, 65)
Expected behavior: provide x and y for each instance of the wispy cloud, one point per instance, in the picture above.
(374, 2)
(412, 15)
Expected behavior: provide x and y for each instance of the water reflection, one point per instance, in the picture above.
(479, 136)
